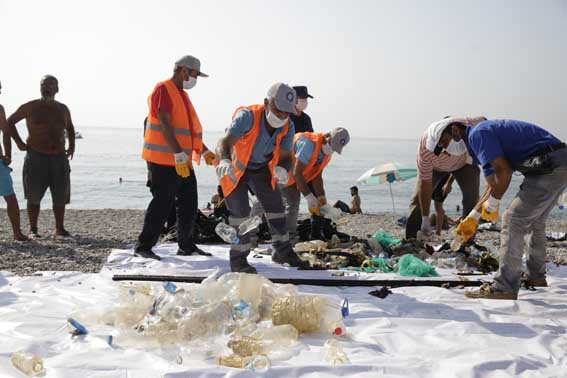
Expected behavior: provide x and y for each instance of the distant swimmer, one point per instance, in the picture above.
(46, 163)
(120, 180)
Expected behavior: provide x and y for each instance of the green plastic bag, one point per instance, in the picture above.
(409, 265)
(385, 239)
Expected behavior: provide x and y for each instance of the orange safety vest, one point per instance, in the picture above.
(242, 150)
(187, 130)
(311, 170)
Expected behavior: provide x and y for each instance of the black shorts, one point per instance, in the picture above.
(43, 171)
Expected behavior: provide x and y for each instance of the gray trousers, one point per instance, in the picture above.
(260, 182)
(292, 198)
(468, 179)
(526, 216)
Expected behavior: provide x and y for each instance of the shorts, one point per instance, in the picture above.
(6, 183)
(43, 171)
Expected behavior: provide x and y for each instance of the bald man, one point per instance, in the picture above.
(47, 159)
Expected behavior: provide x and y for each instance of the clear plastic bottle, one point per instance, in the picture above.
(227, 233)
(330, 212)
(333, 353)
(206, 321)
(282, 176)
(254, 363)
(249, 224)
(28, 363)
(309, 313)
(264, 340)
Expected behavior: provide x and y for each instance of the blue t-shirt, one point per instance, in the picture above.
(263, 150)
(514, 140)
(304, 149)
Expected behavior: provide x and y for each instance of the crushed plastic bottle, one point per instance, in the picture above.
(28, 363)
(258, 363)
(456, 244)
(309, 313)
(333, 353)
(330, 212)
(249, 224)
(75, 328)
(264, 340)
(206, 321)
(227, 233)
(282, 175)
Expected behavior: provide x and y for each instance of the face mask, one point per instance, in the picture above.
(456, 148)
(188, 84)
(274, 120)
(301, 104)
(327, 149)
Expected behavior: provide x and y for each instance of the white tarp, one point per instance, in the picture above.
(415, 332)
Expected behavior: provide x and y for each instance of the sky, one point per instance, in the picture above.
(379, 68)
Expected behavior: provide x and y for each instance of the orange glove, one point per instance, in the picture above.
(183, 165)
(466, 229)
(312, 204)
(209, 157)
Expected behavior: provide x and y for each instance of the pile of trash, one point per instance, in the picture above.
(383, 253)
(241, 320)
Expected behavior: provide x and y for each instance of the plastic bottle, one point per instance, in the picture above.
(330, 212)
(206, 321)
(309, 313)
(264, 340)
(28, 363)
(333, 353)
(456, 244)
(227, 233)
(282, 175)
(249, 225)
(254, 363)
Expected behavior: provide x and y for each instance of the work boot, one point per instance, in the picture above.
(486, 291)
(317, 228)
(285, 255)
(146, 254)
(239, 264)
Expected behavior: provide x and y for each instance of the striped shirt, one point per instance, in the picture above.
(427, 162)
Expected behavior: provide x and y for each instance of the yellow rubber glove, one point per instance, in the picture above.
(490, 209)
(466, 229)
(322, 200)
(312, 204)
(209, 157)
(182, 164)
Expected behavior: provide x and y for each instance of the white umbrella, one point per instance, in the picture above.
(389, 173)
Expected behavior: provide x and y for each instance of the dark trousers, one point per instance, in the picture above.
(468, 179)
(169, 189)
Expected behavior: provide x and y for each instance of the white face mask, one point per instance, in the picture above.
(274, 120)
(327, 149)
(189, 84)
(301, 104)
(456, 148)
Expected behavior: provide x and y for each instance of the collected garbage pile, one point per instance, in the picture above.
(242, 320)
(386, 254)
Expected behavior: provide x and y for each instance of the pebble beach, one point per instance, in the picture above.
(96, 232)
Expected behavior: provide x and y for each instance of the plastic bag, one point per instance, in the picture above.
(385, 239)
(409, 265)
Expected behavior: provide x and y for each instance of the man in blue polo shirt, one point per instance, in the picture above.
(501, 147)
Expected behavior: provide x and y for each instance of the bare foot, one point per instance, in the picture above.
(64, 233)
(20, 237)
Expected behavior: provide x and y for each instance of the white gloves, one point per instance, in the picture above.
(225, 168)
(281, 175)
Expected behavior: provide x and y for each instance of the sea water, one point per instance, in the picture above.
(107, 172)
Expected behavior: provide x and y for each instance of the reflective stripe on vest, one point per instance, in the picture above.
(242, 150)
(185, 125)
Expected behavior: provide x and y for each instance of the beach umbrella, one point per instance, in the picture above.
(389, 173)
